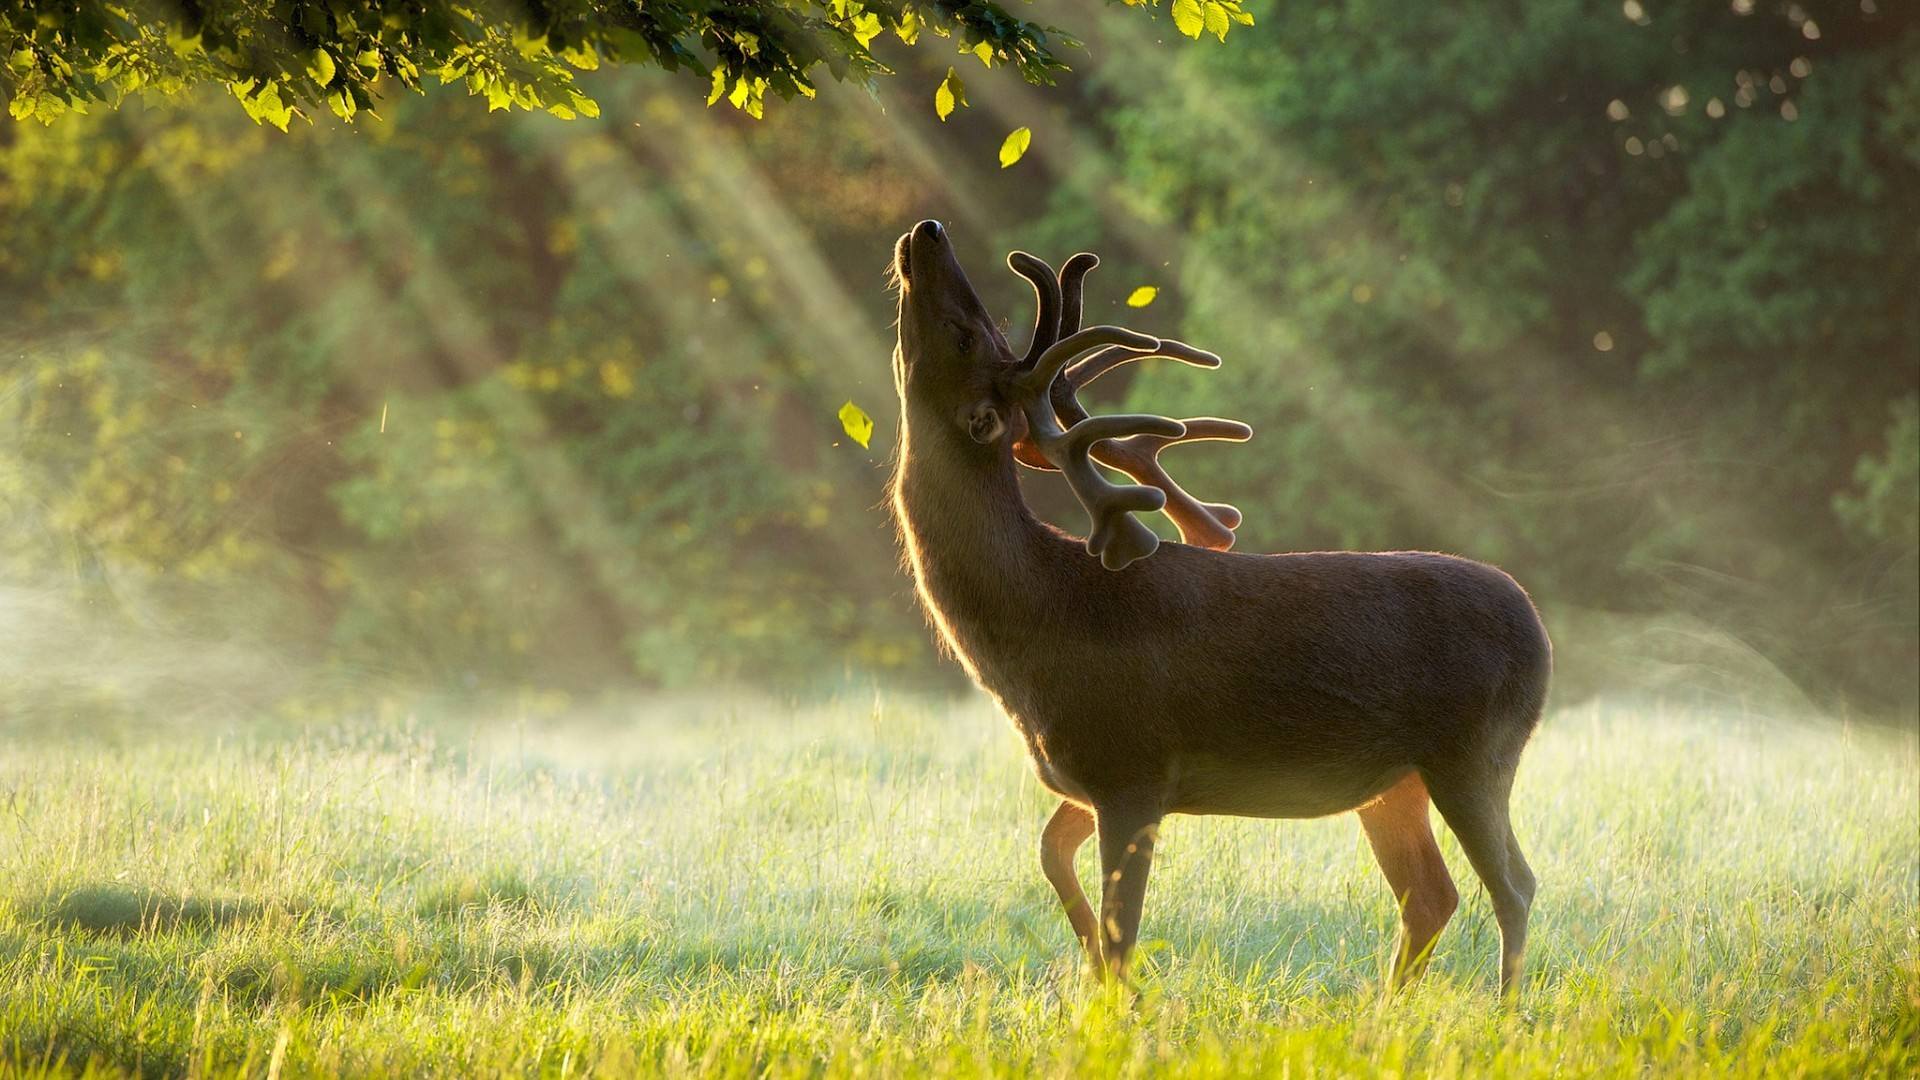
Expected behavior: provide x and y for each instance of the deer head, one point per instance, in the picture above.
(956, 374)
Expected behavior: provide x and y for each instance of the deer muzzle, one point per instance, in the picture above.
(924, 255)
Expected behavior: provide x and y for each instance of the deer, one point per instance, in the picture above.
(1152, 678)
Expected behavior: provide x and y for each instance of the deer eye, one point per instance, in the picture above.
(963, 337)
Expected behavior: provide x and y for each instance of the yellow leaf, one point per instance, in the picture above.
(1015, 146)
(984, 50)
(856, 422)
(1187, 17)
(320, 66)
(1216, 19)
(951, 94)
(1142, 296)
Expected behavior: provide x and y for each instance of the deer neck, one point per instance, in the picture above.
(977, 554)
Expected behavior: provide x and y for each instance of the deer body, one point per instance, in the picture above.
(1202, 681)
(1259, 685)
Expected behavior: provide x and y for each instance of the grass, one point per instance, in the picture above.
(854, 890)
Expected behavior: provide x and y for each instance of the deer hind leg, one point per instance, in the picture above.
(1127, 835)
(1059, 841)
(1397, 826)
(1475, 808)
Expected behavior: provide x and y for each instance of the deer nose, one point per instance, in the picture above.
(929, 230)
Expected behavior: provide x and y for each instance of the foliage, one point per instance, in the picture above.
(547, 458)
(290, 58)
(746, 891)
(1617, 302)
(453, 399)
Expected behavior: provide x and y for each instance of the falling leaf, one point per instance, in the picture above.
(858, 425)
(1142, 296)
(1015, 146)
(952, 94)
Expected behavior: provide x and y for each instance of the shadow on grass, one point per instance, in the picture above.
(500, 888)
(115, 908)
(912, 935)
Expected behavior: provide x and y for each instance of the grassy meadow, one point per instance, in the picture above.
(714, 889)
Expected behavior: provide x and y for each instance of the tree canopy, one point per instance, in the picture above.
(1619, 300)
(287, 58)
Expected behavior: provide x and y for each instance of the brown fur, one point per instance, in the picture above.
(1206, 682)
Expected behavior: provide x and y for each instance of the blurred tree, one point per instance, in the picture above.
(288, 58)
(1619, 297)
(1609, 296)
(456, 402)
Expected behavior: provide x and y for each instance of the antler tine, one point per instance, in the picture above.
(1073, 278)
(1091, 368)
(1066, 403)
(1046, 294)
(1208, 525)
(1037, 381)
(1118, 537)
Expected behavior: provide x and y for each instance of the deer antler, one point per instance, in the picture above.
(1060, 434)
(1046, 293)
(1117, 538)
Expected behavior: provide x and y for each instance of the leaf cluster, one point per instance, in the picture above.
(287, 58)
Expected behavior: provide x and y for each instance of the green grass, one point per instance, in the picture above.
(855, 890)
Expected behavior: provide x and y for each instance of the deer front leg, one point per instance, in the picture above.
(1127, 835)
(1059, 841)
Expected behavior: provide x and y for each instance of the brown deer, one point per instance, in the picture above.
(1184, 678)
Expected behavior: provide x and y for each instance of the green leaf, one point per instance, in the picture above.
(266, 107)
(1015, 146)
(857, 424)
(1187, 17)
(719, 84)
(320, 66)
(62, 56)
(951, 94)
(1142, 296)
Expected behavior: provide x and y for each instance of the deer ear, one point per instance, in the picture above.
(984, 423)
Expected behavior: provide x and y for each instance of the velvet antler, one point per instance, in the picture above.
(1060, 434)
